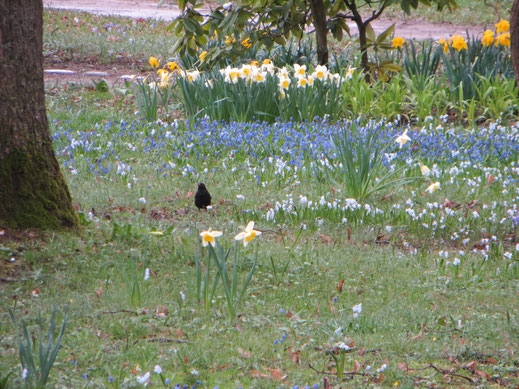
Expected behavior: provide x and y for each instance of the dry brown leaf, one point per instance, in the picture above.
(99, 292)
(244, 354)
(189, 195)
(356, 366)
(326, 239)
(339, 287)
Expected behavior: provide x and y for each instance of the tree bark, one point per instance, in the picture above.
(514, 38)
(321, 30)
(33, 193)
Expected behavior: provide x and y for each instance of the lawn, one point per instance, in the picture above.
(407, 278)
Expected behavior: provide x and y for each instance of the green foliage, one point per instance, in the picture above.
(205, 288)
(38, 369)
(463, 68)
(422, 63)
(266, 22)
(360, 167)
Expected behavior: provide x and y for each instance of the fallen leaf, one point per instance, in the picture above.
(244, 354)
(403, 366)
(99, 292)
(349, 233)
(35, 293)
(189, 195)
(339, 288)
(356, 367)
(326, 239)
(161, 311)
(490, 178)
(295, 356)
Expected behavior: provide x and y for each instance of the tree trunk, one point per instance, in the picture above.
(33, 193)
(514, 38)
(321, 30)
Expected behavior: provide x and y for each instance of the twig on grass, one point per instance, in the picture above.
(446, 372)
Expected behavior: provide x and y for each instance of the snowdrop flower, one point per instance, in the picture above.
(240, 197)
(142, 200)
(182, 296)
(357, 310)
(25, 374)
(157, 369)
(342, 346)
(144, 379)
(248, 234)
(208, 237)
(194, 372)
(456, 261)
(402, 139)
(146, 274)
(433, 187)
(382, 368)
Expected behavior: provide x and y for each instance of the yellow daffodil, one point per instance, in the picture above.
(425, 170)
(229, 39)
(488, 38)
(208, 237)
(254, 64)
(162, 73)
(398, 42)
(246, 43)
(458, 42)
(154, 62)
(248, 234)
(502, 27)
(445, 44)
(172, 66)
(266, 61)
(215, 36)
(402, 139)
(433, 187)
(503, 39)
(202, 56)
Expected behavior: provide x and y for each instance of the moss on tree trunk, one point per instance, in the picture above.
(33, 193)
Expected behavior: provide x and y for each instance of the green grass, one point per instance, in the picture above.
(417, 311)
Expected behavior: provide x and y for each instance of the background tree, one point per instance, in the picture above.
(33, 193)
(514, 38)
(266, 22)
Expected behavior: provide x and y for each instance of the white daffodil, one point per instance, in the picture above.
(433, 187)
(284, 83)
(248, 234)
(208, 237)
(299, 70)
(402, 139)
(425, 170)
(321, 72)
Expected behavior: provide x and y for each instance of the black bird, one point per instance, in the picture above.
(202, 197)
